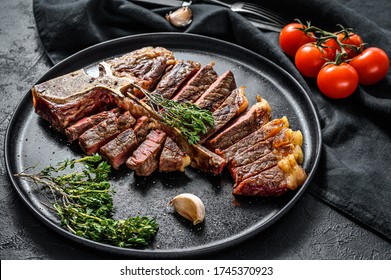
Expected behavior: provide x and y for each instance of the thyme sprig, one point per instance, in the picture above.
(83, 201)
(188, 118)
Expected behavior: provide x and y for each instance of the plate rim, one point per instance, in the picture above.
(163, 253)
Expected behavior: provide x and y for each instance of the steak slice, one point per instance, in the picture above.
(176, 77)
(197, 85)
(215, 95)
(264, 132)
(144, 159)
(118, 150)
(74, 131)
(61, 115)
(259, 149)
(232, 106)
(251, 120)
(270, 159)
(172, 157)
(94, 138)
(275, 181)
(141, 128)
(144, 66)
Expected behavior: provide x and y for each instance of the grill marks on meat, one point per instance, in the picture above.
(258, 149)
(271, 182)
(74, 131)
(267, 130)
(271, 167)
(197, 85)
(177, 76)
(264, 156)
(118, 150)
(271, 156)
(172, 157)
(215, 95)
(94, 138)
(275, 181)
(232, 106)
(144, 66)
(145, 158)
(254, 118)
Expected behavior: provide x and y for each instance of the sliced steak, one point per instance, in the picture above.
(270, 159)
(118, 150)
(176, 77)
(243, 172)
(141, 128)
(74, 131)
(251, 120)
(144, 66)
(271, 182)
(259, 149)
(275, 181)
(144, 159)
(197, 85)
(232, 106)
(61, 115)
(172, 157)
(264, 132)
(94, 138)
(215, 95)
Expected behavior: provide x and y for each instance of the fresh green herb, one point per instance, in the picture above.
(191, 120)
(84, 203)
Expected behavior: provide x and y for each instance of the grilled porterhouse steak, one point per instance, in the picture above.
(108, 115)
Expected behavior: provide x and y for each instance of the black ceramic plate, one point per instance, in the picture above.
(31, 141)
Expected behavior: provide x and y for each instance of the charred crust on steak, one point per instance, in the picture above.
(197, 85)
(144, 159)
(176, 77)
(94, 138)
(232, 106)
(215, 95)
(172, 157)
(248, 122)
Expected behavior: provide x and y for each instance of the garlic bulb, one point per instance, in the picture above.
(181, 17)
(189, 206)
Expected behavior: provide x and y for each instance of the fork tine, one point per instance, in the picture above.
(266, 26)
(253, 14)
(260, 20)
(271, 15)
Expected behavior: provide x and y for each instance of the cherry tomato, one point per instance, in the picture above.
(371, 65)
(337, 81)
(292, 37)
(332, 46)
(354, 40)
(310, 58)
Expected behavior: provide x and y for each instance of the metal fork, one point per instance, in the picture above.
(260, 16)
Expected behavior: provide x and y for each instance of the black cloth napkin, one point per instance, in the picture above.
(354, 174)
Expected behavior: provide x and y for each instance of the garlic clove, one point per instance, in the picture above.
(181, 17)
(189, 206)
